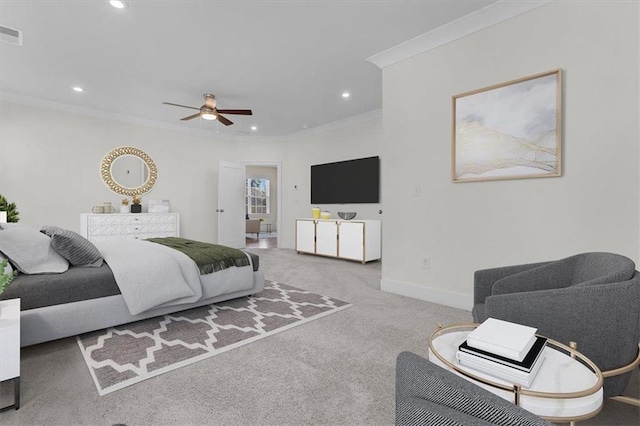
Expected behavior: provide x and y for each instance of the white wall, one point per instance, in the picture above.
(51, 160)
(463, 227)
(305, 149)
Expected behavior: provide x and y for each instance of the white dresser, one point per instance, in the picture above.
(117, 226)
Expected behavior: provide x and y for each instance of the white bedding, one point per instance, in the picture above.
(151, 275)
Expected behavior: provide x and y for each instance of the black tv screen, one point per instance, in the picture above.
(346, 182)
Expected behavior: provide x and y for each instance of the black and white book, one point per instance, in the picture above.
(526, 365)
(500, 371)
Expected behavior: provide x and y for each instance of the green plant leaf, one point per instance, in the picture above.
(10, 208)
(5, 279)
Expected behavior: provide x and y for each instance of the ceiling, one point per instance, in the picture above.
(288, 61)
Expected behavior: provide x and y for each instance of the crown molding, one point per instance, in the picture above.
(479, 20)
(95, 113)
(339, 124)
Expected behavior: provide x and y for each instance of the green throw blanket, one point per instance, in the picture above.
(209, 257)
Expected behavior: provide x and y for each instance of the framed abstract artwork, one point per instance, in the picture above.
(511, 130)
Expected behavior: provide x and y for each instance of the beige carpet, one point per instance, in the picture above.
(121, 356)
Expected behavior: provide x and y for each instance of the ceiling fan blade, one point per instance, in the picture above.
(224, 120)
(178, 105)
(190, 117)
(235, 111)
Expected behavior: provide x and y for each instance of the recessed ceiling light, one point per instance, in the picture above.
(78, 89)
(346, 95)
(254, 128)
(118, 4)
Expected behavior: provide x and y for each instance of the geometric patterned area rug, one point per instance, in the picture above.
(121, 356)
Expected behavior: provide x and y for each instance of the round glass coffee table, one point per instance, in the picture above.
(567, 388)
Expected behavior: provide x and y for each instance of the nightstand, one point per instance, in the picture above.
(10, 347)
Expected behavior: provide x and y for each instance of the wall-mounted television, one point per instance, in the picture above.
(346, 182)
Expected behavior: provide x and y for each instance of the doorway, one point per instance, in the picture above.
(262, 203)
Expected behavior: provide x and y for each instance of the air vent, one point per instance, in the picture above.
(11, 35)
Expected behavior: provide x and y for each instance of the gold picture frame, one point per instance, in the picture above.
(511, 130)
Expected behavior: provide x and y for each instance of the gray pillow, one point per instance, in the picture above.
(30, 251)
(74, 247)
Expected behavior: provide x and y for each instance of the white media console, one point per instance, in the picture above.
(345, 239)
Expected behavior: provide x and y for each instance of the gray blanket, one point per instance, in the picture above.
(151, 275)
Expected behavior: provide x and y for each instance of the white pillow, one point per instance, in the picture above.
(30, 251)
(10, 225)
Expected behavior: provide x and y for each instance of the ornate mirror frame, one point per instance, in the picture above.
(107, 177)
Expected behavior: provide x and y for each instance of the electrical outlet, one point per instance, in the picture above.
(426, 263)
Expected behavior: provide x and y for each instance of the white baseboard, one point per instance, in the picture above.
(430, 294)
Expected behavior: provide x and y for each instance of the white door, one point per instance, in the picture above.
(327, 238)
(305, 236)
(351, 241)
(231, 204)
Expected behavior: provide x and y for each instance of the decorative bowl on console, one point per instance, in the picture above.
(346, 215)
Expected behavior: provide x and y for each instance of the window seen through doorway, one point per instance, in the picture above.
(257, 196)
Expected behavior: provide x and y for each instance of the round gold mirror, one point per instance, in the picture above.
(128, 171)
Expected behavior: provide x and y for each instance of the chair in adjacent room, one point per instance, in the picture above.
(592, 299)
(430, 395)
(253, 227)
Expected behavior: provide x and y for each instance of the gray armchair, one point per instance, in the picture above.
(429, 395)
(592, 299)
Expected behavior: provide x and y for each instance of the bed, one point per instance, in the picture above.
(123, 281)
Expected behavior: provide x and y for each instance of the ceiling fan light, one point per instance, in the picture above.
(208, 116)
(118, 4)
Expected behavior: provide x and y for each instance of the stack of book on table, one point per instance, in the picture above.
(505, 350)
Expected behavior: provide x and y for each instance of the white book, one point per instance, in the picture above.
(503, 338)
(499, 371)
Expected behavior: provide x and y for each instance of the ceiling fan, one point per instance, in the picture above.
(208, 111)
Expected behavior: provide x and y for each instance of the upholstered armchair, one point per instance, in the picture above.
(592, 299)
(253, 227)
(430, 395)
